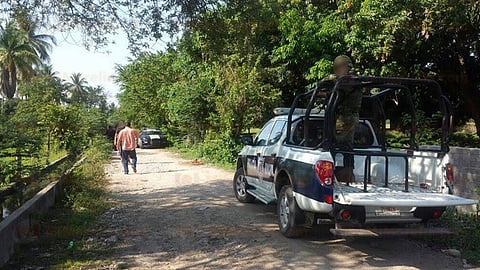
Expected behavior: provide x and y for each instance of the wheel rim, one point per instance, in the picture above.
(284, 211)
(241, 186)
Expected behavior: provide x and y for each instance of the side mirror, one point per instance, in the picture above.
(247, 139)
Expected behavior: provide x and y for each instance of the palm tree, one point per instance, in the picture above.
(57, 82)
(16, 58)
(21, 50)
(77, 89)
(96, 98)
(47, 70)
(41, 43)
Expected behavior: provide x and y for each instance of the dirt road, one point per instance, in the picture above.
(176, 215)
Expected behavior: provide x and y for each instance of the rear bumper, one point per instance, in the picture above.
(362, 215)
(154, 144)
(390, 232)
(308, 204)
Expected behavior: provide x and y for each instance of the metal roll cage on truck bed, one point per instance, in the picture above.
(293, 161)
(386, 85)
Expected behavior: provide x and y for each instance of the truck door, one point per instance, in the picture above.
(268, 155)
(254, 159)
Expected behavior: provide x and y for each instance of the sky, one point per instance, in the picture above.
(97, 67)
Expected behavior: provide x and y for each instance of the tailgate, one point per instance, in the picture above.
(404, 199)
(349, 195)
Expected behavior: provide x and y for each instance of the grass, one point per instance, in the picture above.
(206, 155)
(466, 237)
(466, 229)
(71, 221)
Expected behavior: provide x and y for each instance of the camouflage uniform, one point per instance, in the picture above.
(347, 118)
(349, 104)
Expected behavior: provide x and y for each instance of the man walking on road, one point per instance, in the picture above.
(127, 141)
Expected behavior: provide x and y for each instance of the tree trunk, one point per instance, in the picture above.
(9, 81)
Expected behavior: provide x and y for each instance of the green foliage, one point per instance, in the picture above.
(21, 48)
(243, 100)
(238, 60)
(466, 228)
(88, 181)
(141, 21)
(311, 36)
(39, 118)
(143, 92)
(43, 89)
(189, 104)
(218, 152)
(19, 140)
(74, 218)
(464, 140)
(295, 40)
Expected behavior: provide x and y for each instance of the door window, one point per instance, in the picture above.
(277, 132)
(262, 137)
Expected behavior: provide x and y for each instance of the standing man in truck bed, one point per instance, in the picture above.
(347, 115)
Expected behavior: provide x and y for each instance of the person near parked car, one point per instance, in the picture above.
(127, 142)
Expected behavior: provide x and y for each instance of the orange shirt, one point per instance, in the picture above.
(127, 138)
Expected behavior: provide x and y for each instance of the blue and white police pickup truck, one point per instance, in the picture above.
(294, 160)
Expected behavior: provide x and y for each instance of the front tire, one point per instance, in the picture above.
(240, 187)
(290, 216)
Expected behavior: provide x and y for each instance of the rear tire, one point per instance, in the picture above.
(290, 216)
(240, 186)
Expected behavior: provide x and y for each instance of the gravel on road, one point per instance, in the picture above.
(178, 214)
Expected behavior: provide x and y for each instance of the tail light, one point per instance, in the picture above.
(324, 172)
(449, 172)
(328, 199)
(436, 214)
(345, 214)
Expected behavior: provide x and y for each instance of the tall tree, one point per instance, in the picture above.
(41, 43)
(420, 38)
(77, 88)
(96, 98)
(22, 49)
(17, 57)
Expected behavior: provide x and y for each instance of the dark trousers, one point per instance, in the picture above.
(125, 155)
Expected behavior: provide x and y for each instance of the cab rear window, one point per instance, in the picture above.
(314, 136)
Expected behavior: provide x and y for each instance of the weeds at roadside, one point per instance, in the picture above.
(466, 237)
(60, 239)
(213, 152)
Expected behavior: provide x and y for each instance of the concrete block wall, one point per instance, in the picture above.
(466, 165)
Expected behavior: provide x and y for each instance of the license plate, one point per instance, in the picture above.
(387, 211)
(154, 137)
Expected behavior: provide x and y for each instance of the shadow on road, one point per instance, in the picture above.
(202, 225)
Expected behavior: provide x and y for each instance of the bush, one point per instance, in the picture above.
(86, 186)
(217, 152)
(466, 228)
(70, 222)
(461, 139)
